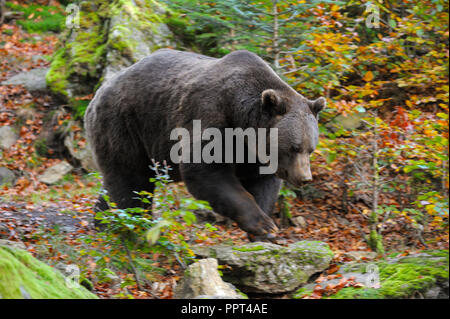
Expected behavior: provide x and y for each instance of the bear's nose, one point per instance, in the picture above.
(306, 178)
(304, 171)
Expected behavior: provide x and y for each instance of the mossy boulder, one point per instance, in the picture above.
(111, 36)
(269, 268)
(24, 277)
(421, 275)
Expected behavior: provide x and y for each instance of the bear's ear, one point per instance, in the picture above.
(272, 102)
(317, 105)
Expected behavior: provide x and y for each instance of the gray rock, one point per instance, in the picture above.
(120, 33)
(139, 38)
(13, 244)
(84, 156)
(55, 173)
(300, 221)
(6, 176)
(7, 137)
(269, 268)
(33, 80)
(202, 280)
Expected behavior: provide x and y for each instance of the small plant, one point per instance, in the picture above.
(39, 18)
(284, 206)
(130, 235)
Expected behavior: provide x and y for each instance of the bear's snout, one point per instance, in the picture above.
(302, 171)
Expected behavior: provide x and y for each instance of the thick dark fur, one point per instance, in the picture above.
(130, 119)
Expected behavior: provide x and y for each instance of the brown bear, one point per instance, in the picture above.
(130, 120)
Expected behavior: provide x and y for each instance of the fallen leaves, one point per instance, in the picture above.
(319, 291)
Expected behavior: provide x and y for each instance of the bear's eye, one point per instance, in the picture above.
(296, 149)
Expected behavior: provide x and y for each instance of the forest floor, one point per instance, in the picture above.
(50, 219)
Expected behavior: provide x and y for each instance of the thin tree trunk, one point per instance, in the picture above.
(375, 238)
(275, 39)
(2, 11)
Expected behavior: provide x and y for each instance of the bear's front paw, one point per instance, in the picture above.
(259, 225)
(266, 238)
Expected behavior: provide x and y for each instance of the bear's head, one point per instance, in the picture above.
(298, 132)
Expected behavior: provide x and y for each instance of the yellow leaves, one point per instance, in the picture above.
(368, 76)
(334, 7)
(430, 133)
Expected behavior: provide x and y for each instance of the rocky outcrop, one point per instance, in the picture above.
(269, 268)
(202, 281)
(112, 35)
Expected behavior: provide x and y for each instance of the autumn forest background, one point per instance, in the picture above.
(380, 171)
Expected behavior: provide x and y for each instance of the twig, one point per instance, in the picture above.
(130, 260)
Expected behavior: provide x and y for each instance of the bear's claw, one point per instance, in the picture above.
(266, 238)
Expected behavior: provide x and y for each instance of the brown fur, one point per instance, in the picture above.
(131, 116)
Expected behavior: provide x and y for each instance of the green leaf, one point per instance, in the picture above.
(331, 156)
(392, 23)
(153, 235)
(360, 109)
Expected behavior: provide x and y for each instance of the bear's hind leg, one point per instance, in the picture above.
(121, 187)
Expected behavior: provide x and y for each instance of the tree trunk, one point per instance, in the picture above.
(275, 38)
(375, 238)
(2, 11)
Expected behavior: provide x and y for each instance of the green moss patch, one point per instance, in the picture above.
(403, 277)
(254, 248)
(37, 18)
(112, 35)
(23, 276)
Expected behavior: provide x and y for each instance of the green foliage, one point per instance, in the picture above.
(129, 233)
(22, 276)
(264, 27)
(38, 18)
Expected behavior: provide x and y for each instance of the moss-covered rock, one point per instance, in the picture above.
(112, 35)
(269, 268)
(419, 275)
(23, 276)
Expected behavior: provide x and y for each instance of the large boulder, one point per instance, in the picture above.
(420, 275)
(24, 277)
(202, 279)
(269, 268)
(112, 35)
(135, 31)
